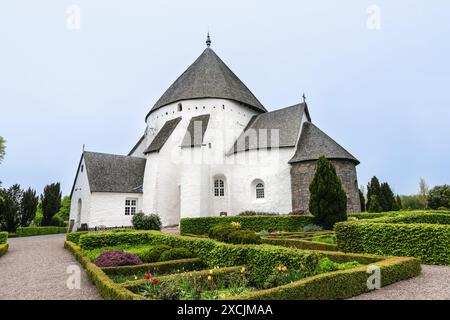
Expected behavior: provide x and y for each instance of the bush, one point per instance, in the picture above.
(75, 236)
(439, 197)
(154, 253)
(254, 213)
(38, 231)
(244, 237)
(3, 237)
(221, 232)
(201, 226)
(328, 201)
(409, 235)
(327, 265)
(175, 254)
(142, 222)
(116, 258)
(3, 249)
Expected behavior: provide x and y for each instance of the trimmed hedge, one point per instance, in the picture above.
(38, 231)
(75, 236)
(201, 226)
(157, 267)
(263, 258)
(106, 287)
(339, 284)
(3, 248)
(375, 215)
(391, 236)
(3, 237)
(301, 244)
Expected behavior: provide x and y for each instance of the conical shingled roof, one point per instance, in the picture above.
(314, 143)
(209, 77)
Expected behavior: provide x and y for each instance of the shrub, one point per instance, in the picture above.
(175, 254)
(75, 236)
(3, 237)
(221, 232)
(3, 248)
(244, 237)
(327, 265)
(328, 201)
(37, 231)
(297, 212)
(270, 223)
(154, 253)
(142, 222)
(439, 196)
(116, 258)
(392, 236)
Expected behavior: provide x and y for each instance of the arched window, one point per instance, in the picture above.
(180, 107)
(219, 188)
(259, 191)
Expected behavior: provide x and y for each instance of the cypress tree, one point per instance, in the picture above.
(51, 202)
(387, 198)
(362, 200)
(328, 201)
(374, 204)
(373, 189)
(28, 207)
(398, 203)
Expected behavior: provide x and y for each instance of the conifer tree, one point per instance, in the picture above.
(328, 201)
(374, 205)
(373, 189)
(28, 207)
(387, 198)
(51, 202)
(362, 200)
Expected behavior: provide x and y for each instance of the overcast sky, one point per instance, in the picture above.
(384, 94)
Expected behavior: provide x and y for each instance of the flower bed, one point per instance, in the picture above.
(235, 271)
(422, 235)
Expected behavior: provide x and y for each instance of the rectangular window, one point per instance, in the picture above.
(130, 206)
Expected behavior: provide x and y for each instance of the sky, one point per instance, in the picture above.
(376, 75)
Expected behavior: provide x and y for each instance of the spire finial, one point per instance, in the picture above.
(208, 40)
(304, 98)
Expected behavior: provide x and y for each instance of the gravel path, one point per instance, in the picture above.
(432, 284)
(35, 268)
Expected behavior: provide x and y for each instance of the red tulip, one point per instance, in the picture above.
(148, 276)
(155, 281)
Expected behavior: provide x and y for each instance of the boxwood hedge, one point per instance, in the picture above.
(201, 226)
(38, 231)
(3, 237)
(418, 235)
(3, 248)
(263, 258)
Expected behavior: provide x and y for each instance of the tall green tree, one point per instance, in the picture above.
(439, 197)
(362, 200)
(10, 208)
(328, 201)
(64, 211)
(374, 204)
(423, 193)
(28, 207)
(373, 189)
(387, 199)
(51, 202)
(398, 203)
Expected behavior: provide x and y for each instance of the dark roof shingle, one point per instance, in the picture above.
(196, 131)
(208, 77)
(285, 122)
(163, 135)
(114, 173)
(314, 143)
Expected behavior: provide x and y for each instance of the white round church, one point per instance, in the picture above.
(209, 148)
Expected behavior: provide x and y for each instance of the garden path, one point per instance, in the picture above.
(36, 268)
(432, 284)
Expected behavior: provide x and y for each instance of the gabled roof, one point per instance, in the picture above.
(163, 135)
(208, 77)
(196, 131)
(314, 143)
(285, 122)
(114, 173)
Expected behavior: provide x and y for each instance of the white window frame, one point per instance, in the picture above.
(131, 206)
(219, 188)
(260, 192)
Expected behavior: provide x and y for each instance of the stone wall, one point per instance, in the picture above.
(302, 174)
